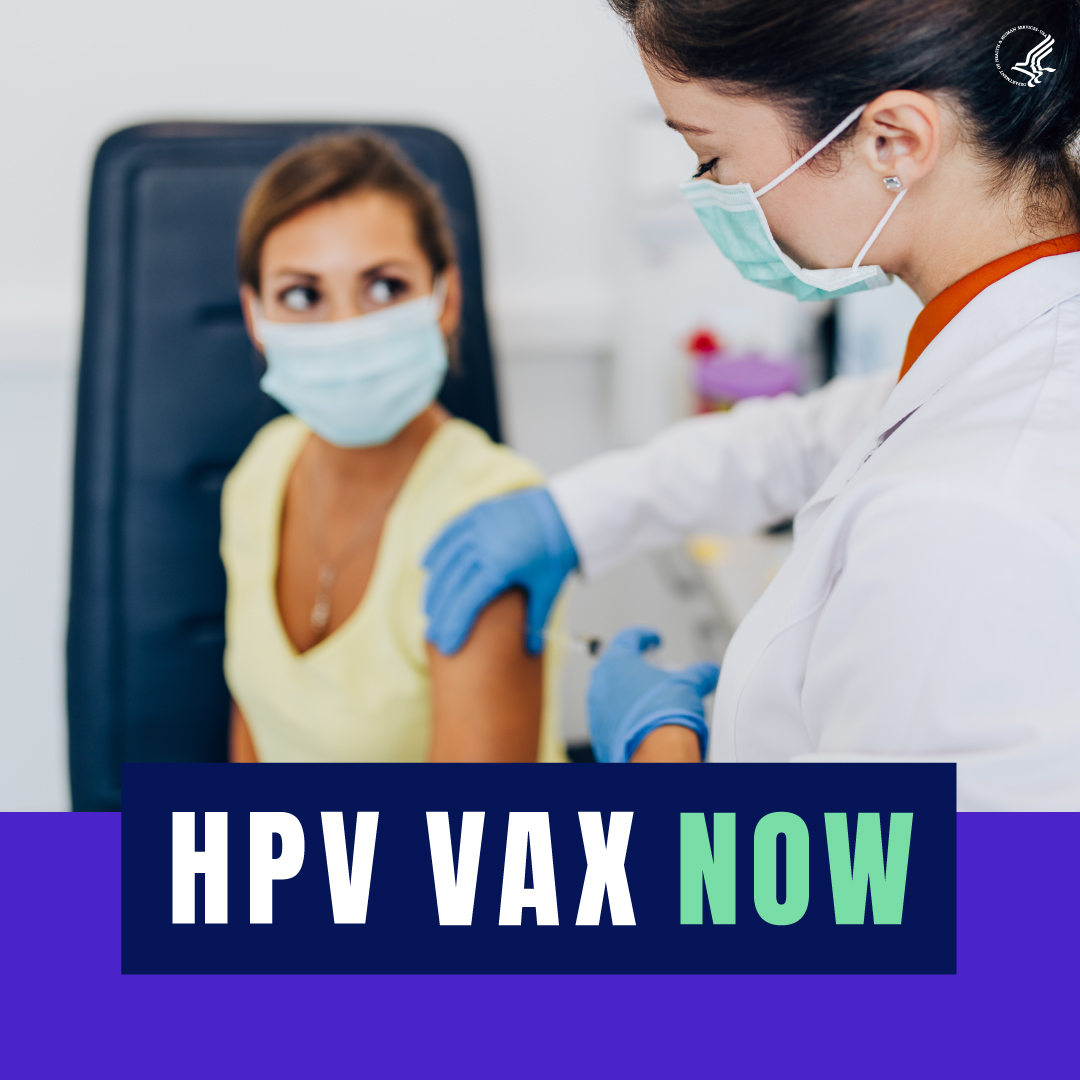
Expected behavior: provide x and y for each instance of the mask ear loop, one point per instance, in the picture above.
(438, 294)
(880, 225)
(816, 148)
(258, 317)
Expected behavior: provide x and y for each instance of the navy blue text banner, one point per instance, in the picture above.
(533, 868)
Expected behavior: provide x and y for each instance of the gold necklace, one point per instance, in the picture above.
(329, 569)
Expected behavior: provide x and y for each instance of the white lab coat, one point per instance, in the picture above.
(930, 610)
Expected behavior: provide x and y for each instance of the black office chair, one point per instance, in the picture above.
(168, 400)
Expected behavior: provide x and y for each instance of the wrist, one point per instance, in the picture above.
(668, 743)
(685, 726)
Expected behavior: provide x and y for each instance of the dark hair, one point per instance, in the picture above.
(820, 61)
(327, 168)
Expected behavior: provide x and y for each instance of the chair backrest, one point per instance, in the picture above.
(168, 400)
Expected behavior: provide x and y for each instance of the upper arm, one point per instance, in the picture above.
(487, 699)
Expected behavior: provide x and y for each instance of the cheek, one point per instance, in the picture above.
(794, 227)
(818, 224)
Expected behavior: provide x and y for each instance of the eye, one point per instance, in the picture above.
(386, 290)
(300, 297)
(705, 167)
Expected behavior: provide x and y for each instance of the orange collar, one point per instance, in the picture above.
(946, 305)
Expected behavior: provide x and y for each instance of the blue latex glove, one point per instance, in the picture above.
(517, 540)
(628, 697)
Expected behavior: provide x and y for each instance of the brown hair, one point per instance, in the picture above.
(822, 61)
(327, 168)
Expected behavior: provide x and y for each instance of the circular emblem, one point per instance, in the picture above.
(1022, 55)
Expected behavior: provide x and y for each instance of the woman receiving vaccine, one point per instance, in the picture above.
(350, 290)
(930, 610)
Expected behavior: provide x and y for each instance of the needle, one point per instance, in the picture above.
(586, 646)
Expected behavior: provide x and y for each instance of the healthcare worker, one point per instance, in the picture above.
(930, 609)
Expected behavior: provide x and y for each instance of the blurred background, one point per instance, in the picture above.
(607, 300)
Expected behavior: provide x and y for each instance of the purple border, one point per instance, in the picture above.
(67, 1011)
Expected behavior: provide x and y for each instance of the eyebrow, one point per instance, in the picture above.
(383, 267)
(287, 271)
(685, 129)
(371, 272)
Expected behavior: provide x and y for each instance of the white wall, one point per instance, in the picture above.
(532, 91)
(35, 467)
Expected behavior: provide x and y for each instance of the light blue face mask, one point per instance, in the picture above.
(357, 382)
(733, 217)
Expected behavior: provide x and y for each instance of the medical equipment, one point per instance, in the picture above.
(722, 377)
(629, 697)
(584, 646)
(733, 217)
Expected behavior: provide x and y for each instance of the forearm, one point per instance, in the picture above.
(726, 472)
(241, 745)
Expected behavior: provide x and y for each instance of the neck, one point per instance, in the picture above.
(376, 467)
(960, 228)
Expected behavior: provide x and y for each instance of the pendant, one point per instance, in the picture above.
(320, 613)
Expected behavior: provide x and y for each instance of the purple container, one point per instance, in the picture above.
(720, 379)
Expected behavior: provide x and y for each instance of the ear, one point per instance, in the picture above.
(451, 312)
(900, 135)
(248, 300)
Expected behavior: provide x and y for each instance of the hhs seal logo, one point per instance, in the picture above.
(1030, 67)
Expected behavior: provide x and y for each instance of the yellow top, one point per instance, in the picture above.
(361, 694)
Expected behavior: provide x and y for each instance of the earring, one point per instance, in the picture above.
(893, 183)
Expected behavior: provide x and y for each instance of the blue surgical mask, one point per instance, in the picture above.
(357, 382)
(733, 217)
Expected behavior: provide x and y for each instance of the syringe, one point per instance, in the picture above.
(586, 646)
